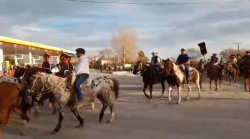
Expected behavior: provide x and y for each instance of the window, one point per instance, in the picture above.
(36, 57)
(19, 56)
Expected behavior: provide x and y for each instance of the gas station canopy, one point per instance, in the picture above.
(14, 46)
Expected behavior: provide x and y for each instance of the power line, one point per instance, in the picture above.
(156, 3)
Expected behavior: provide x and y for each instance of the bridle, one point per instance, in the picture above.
(48, 90)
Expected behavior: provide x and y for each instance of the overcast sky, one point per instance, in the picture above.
(165, 28)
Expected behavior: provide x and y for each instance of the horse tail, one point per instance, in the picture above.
(116, 87)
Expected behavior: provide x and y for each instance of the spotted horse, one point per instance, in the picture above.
(103, 87)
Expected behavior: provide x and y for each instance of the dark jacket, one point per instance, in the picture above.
(46, 65)
(64, 71)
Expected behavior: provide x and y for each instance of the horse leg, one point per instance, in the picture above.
(60, 119)
(199, 89)
(216, 84)
(104, 106)
(79, 118)
(179, 95)
(163, 88)
(150, 90)
(52, 101)
(249, 83)
(245, 84)
(189, 91)
(170, 95)
(144, 90)
(210, 84)
(111, 107)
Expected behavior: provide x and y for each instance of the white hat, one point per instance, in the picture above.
(154, 52)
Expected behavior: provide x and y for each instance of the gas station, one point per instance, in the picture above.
(18, 52)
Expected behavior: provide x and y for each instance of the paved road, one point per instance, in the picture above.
(218, 115)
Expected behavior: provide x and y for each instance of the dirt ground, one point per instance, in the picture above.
(222, 114)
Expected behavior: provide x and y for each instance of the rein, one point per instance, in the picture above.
(49, 89)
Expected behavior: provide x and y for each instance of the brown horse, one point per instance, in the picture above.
(233, 72)
(148, 78)
(175, 76)
(10, 97)
(246, 72)
(214, 74)
(26, 74)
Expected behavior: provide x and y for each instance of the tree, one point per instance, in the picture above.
(226, 53)
(194, 53)
(107, 53)
(125, 45)
(142, 57)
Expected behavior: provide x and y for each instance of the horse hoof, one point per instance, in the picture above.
(187, 99)
(178, 102)
(100, 121)
(108, 121)
(23, 133)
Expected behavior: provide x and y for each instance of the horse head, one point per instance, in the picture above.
(137, 67)
(36, 85)
(201, 65)
(168, 67)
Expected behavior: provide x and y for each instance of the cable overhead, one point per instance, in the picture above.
(156, 3)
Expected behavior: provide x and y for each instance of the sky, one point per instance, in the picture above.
(165, 28)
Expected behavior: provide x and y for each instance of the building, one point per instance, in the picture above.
(18, 52)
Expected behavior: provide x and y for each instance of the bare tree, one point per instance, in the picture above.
(226, 53)
(194, 53)
(125, 45)
(107, 53)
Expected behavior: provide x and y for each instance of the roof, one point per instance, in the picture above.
(34, 45)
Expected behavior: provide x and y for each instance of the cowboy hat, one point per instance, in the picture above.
(154, 52)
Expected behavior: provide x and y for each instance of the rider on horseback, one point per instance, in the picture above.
(184, 59)
(214, 59)
(155, 65)
(46, 64)
(245, 60)
(233, 60)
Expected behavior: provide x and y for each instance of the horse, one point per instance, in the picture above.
(148, 78)
(246, 73)
(233, 72)
(214, 74)
(175, 76)
(201, 69)
(10, 96)
(65, 96)
(26, 73)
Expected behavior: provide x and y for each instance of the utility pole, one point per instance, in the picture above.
(238, 44)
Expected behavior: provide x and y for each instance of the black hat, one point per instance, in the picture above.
(247, 51)
(182, 49)
(80, 51)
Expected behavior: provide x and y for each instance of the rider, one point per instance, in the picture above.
(245, 60)
(155, 64)
(233, 60)
(184, 59)
(155, 61)
(46, 64)
(214, 59)
(64, 70)
(71, 67)
(81, 71)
